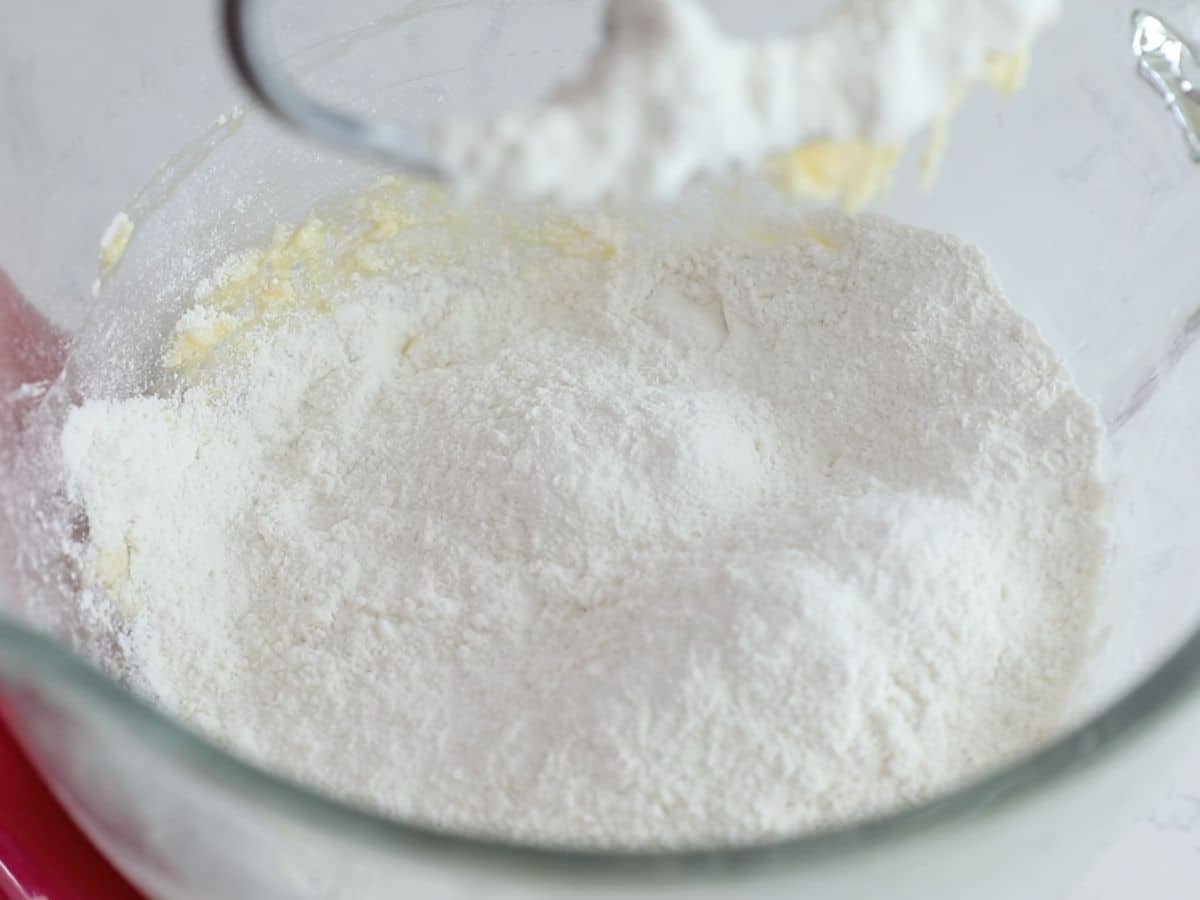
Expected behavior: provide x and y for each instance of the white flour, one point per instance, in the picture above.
(668, 96)
(697, 543)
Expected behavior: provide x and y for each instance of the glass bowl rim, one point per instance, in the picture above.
(40, 659)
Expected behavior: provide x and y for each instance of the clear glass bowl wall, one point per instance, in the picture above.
(1078, 188)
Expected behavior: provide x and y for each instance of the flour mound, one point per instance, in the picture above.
(696, 542)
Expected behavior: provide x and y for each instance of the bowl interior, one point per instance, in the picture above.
(1078, 188)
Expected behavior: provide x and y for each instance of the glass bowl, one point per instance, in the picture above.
(1078, 188)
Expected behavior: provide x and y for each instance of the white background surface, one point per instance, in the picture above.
(55, 122)
(1157, 856)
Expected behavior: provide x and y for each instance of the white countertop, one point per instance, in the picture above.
(1157, 855)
